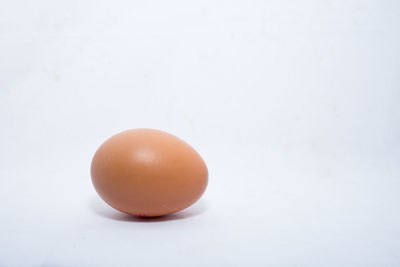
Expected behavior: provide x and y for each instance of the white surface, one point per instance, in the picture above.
(294, 106)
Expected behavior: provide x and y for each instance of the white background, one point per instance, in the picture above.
(294, 106)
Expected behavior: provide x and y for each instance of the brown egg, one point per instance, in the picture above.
(147, 172)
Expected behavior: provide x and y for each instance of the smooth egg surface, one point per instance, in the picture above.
(146, 172)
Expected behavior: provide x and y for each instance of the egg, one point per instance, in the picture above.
(146, 172)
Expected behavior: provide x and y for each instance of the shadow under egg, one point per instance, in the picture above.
(98, 207)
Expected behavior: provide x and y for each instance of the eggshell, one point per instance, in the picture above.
(146, 172)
